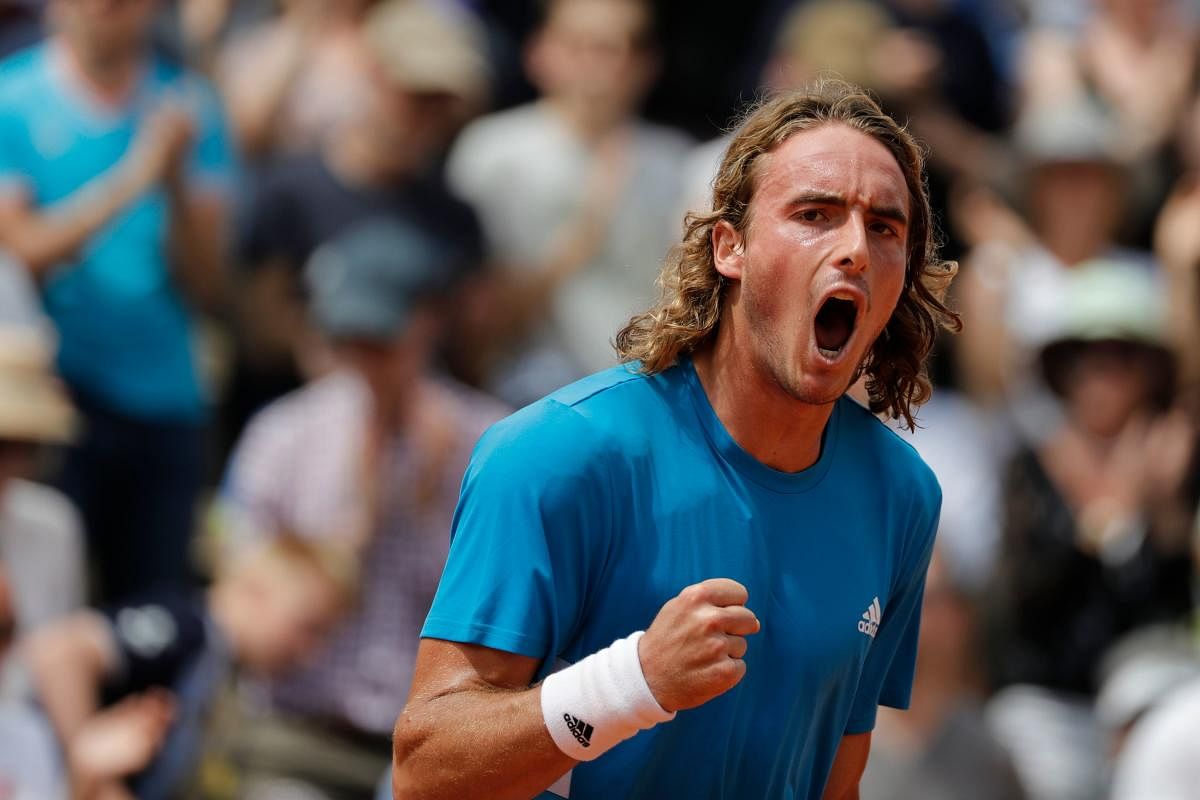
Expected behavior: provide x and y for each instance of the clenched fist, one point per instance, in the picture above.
(693, 650)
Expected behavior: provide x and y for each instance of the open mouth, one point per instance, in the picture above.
(834, 325)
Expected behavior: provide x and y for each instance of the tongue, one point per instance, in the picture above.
(832, 329)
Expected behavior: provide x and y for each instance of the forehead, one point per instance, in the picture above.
(834, 159)
(599, 17)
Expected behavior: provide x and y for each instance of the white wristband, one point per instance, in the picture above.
(599, 702)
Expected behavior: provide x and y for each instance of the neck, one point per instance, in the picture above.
(349, 158)
(768, 423)
(1071, 250)
(590, 121)
(112, 77)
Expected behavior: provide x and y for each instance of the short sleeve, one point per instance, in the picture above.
(156, 638)
(529, 537)
(887, 675)
(14, 172)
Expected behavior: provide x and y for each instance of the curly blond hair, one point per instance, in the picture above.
(688, 311)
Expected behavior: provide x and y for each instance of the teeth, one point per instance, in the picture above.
(842, 294)
(828, 353)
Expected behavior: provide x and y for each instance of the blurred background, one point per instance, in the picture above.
(268, 269)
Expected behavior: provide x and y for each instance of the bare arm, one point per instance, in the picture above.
(848, 766)
(42, 237)
(196, 239)
(255, 84)
(473, 727)
(471, 715)
(69, 661)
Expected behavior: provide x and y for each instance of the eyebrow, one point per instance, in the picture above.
(893, 213)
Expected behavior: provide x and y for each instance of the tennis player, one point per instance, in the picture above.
(698, 574)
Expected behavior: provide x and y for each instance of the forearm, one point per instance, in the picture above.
(68, 686)
(476, 742)
(196, 243)
(46, 237)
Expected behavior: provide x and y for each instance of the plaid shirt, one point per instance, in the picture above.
(301, 466)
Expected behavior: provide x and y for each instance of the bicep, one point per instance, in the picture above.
(444, 667)
(848, 767)
(85, 639)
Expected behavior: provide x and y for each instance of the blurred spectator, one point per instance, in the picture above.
(1012, 286)
(41, 539)
(1097, 519)
(1140, 673)
(1162, 759)
(966, 449)
(370, 455)
(426, 71)
(940, 749)
(290, 81)
(113, 171)
(127, 690)
(1137, 59)
(576, 193)
(20, 25)
(1177, 245)
(1136, 56)
(928, 63)
(835, 36)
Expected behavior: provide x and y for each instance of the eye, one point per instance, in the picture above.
(883, 229)
(812, 215)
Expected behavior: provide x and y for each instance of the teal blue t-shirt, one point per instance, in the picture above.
(125, 332)
(582, 514)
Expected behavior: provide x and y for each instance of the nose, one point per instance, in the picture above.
(854, 246)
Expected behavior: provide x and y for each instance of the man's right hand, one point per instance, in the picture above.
(693, 650)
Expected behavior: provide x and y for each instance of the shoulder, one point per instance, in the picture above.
(290, 174)
(32, 506)
(661, 141)
(498, 137)
(498, 125)
(570, 431)
(20, 76)
(292, 420)
(895, 463)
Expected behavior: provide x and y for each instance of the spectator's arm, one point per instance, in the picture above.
(42, 238)
(196, 238)
(69, 661)
(255, 77)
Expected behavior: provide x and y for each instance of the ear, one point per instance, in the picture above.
(729, 250)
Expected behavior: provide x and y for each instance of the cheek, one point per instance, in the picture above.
(888, 287)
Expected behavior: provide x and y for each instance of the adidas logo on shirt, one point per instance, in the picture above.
(869, 624)
(580, 729)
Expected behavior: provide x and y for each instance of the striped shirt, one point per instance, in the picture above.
(305, 465)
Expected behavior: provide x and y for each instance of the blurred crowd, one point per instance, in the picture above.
(268, 269)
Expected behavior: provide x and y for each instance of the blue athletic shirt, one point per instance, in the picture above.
(582, 514)
(125, 332)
